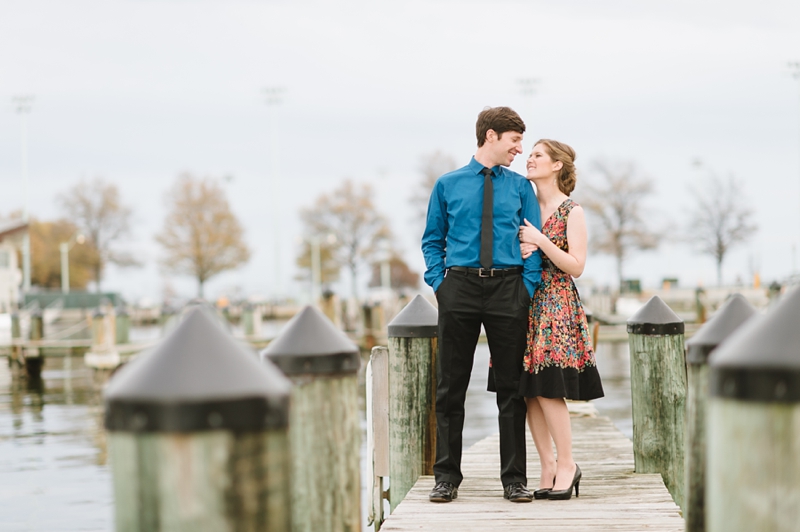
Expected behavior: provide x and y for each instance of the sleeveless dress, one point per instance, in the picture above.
(559, 359)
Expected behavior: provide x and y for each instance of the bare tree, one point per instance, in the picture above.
(617, 225)
(432, 167)
(720, 218)
(350, 214)
(201, 236)
(96, 209)
(46, 256)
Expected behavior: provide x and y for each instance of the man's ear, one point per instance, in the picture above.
(491, 135)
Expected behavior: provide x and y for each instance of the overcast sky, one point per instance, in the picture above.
(140, 91)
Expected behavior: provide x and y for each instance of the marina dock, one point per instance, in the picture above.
(612, 497)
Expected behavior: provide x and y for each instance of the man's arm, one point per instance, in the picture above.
(435, 237)
(532, 266)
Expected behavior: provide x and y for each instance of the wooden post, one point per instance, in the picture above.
(324, 428)
(378, 431)
(198, 435)
(15, 360)
(412, 396)
(658, 393)
(248, 323)
(754, 424)
(725, 321)
(34, 358)
(103, 352)
(123, 326)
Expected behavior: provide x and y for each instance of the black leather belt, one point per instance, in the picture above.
(491, 272)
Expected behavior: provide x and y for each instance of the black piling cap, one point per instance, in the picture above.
(311, 344)
(98, 313)
(419, 319)
(655, 318)
(198, 378)
(729, 317)
(761, 360)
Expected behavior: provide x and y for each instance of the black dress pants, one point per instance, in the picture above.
(501, 304)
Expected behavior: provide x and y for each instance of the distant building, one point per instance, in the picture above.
(11, 234)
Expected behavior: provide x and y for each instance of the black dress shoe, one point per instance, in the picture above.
(517, 492)
(564, 495)
(443, 492)
(543, 492)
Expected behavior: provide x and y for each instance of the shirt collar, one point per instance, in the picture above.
(477, 167)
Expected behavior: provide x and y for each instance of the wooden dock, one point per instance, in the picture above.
(612, 496)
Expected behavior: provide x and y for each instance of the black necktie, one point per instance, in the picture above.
(486, 219)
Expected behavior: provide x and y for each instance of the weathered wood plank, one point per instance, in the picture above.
(613, 497)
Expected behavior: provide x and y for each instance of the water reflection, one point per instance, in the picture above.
(53, 457)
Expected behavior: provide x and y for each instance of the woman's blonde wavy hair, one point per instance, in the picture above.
(558, 151)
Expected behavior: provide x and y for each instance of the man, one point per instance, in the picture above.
(475, 267)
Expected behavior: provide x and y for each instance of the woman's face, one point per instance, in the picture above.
(540, 165)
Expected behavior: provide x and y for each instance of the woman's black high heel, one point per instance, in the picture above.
(564, 495)
(544, 492)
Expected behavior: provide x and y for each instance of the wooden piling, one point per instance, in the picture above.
(103, 353)
(377, 384)
(324, 428)
(251, 320)
(754, 425)
(658, 393)
(198, 436)
(34, 358)
(15, 360)
(735, 312)
(123, 326)
(412, 396)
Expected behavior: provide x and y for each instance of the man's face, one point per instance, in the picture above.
(506, 147)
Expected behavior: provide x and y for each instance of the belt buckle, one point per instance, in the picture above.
(482, 272)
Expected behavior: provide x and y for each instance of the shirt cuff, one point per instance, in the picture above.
(530, 286)
(436, 284)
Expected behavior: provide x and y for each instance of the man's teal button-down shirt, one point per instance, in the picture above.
(453, 231)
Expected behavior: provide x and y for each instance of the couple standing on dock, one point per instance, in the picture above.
(490, 261)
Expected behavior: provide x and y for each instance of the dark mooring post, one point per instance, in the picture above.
(754, 425)
(412, 396)
(725, 322)
(324, 428)
(198, 435)
(658, 393)
(34, 357)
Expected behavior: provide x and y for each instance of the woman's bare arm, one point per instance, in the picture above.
(572, 262)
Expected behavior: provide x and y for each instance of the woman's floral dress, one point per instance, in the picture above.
(559, 360)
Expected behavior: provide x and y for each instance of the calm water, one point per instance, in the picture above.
(54, 472)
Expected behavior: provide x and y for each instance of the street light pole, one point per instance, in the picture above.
(23, 106)
(794, 67)
(316, 270)
(64, 247)
(273, 97)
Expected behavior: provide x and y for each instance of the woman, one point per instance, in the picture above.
(559, 362)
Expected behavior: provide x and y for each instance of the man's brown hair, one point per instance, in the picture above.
(499, 119)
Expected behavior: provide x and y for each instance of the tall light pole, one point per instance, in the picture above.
(273, 97)
(23, 106)
(794, 67)
(64, 247)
